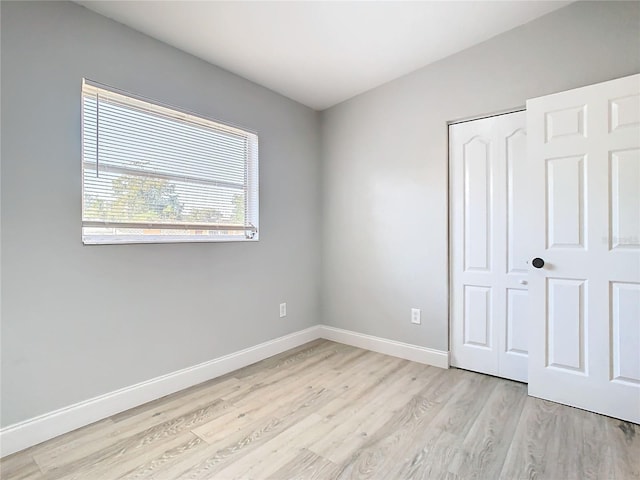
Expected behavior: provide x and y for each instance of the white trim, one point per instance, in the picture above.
(428, 356)
(44, 427)
(487, 115)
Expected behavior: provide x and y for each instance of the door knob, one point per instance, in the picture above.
(537, 262)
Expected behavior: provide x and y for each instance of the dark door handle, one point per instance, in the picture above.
(537, 262)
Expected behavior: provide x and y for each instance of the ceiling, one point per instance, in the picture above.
(324, 52)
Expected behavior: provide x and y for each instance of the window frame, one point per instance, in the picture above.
(250, 186)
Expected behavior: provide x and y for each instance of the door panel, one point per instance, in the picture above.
(488, 263)
(477, 316)
(584, 171)
(477, 233)
(624, 112)
(566, 123)
(565, 202)
(566, 324)
(517, 308)
(625, 332)
(625, 199)
(516, 201)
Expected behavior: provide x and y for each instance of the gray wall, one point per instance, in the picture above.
(385, 162)
(79, 321)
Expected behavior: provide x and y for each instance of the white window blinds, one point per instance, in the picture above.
(154, 174)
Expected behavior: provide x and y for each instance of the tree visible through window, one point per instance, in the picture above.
(155, 174)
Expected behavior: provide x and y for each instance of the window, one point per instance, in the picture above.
(155, 174)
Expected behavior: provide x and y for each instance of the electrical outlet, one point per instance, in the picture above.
(283, 310)
(415, 316)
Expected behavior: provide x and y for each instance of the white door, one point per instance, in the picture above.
(488, 262)
(584, 169)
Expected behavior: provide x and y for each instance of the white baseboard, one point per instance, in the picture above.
(428, 356)
(44, 427)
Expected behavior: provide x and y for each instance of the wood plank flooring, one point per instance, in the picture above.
(330, 411)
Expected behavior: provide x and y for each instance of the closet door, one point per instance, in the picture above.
(584, 171)
(488, 263)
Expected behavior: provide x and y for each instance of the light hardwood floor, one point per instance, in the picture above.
(330, 411)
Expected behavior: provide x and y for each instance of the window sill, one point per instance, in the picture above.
(155, 239)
